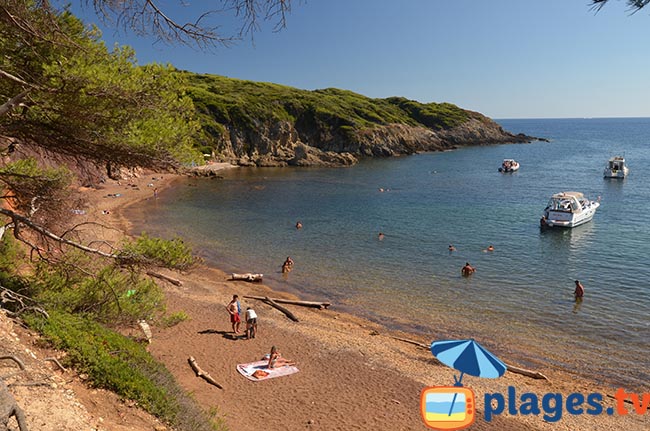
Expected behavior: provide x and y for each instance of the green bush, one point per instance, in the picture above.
(112, 295)
(145, 250)
(174, 319)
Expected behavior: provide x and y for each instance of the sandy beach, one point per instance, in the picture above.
(353, 374)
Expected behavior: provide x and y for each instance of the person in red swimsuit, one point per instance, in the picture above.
(233, 310)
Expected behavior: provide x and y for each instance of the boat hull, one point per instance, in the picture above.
(617, 173)
(568, 220)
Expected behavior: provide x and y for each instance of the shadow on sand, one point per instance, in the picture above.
(225, 334)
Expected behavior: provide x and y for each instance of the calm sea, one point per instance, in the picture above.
(519, 303)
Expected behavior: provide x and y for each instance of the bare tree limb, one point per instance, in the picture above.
(17, 218)
(13, 102)
(147, 17)
(58, 364)
(9, 408)
(20, 363)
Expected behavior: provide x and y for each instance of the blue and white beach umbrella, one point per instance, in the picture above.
(468, 357)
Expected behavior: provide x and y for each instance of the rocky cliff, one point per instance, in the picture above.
(259, 124)
(287, 144)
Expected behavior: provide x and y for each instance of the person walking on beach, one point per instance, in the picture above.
(234, 309)
(579, 292)
(251, 323)
(467, 269)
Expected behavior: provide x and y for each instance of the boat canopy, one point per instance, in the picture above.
(568, 195)
(566, 202)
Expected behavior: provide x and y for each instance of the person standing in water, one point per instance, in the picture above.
(467, 269)
(579, 292)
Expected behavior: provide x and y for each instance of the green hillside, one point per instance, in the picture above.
(246, 104)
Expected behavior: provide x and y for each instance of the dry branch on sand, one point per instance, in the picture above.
(200, 373)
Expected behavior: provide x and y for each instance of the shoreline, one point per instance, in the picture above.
(352, 373)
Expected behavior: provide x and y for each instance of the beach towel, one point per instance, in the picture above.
(247, 370)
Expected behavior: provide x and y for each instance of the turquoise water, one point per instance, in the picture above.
(519, 303)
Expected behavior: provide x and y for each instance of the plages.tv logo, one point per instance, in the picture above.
(454, 407)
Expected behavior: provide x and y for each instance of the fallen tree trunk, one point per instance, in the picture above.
(313, 304)
(247, 277)
(173, 281)
(511, 368)
(200, 373)
(286, 312)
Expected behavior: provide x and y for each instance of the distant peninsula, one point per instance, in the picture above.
(263, 124)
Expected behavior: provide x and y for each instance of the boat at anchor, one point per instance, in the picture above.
(568, 209)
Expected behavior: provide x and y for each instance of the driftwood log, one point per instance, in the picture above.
(247, 277)
(200, 373)
(286, 312)
(313, 304)
(511, 368)
(8, 406)
(171, 280)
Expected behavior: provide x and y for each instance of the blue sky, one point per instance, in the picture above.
(503, 58)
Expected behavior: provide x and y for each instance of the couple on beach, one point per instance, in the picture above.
(234, 309)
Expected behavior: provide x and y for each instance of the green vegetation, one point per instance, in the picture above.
(73, 96)
(248, 106)
(144, 250)
(112, 296)
(117, 363)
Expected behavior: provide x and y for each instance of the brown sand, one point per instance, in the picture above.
(353, 375)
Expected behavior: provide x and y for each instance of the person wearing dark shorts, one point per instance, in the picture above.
(251, 323)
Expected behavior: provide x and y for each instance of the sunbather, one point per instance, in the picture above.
(276, 360)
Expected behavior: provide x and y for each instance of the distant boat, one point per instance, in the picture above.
(616, 168)
(509, 165)
(568, 209)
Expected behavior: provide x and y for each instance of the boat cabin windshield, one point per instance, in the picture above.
(563, 204)
(615, 166)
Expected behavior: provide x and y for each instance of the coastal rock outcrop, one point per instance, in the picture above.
(302, 144)
(264, 124)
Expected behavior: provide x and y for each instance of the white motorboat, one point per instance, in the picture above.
(616, 168)
(568, 209)
(509, 165)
